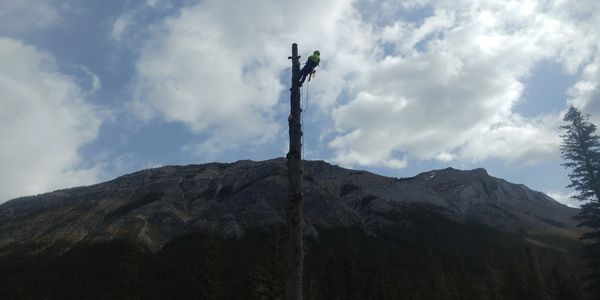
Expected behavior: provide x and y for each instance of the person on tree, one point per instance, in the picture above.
(309, 68)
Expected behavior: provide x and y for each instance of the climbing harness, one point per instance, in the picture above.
(312, 74)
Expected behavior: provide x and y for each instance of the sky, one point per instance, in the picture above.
(91, 90)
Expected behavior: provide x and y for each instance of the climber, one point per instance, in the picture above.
(309, 68)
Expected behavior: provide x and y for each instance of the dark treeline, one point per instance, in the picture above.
(434, 259)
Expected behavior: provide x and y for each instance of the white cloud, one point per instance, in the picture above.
(198, 72)
(565, 198)
(216, 66)
(449, 88)
(516, 139)
(95, 83)
(441, 88)
(445, 91)
(120, 26)
(585, 94)
(152, 3)
(44, 120)
(26, 15)
(583, 53)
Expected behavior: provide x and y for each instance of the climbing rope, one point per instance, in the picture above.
(304, 108)
(306, 97)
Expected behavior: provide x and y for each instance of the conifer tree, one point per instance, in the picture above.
(534, 278)
(581, 150)
(213, 280)
(267, 279)
(513, 286)
(493, 281)
(332, 282)
(563, 287)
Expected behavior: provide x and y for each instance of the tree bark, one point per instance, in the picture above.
(294, 258)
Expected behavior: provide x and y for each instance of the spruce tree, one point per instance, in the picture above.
(267, 281)
(493, 279)
(563, 287)
(534, 278)
(581, 150)
(213, 277)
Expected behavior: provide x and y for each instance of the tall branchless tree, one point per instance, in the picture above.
(294, 252)
(581, 150)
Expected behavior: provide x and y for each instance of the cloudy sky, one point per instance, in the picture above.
(90, 90)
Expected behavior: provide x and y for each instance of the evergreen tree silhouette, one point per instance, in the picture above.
(581, 150)
(267, 281)
(213, 279)
(563, 287)
(534, 278)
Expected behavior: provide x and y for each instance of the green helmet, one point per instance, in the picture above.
(317, 52)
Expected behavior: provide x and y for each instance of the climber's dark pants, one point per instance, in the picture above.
(308, 68)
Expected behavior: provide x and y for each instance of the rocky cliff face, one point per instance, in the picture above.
(158, 205)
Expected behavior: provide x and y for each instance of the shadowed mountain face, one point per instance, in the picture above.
(157, 206)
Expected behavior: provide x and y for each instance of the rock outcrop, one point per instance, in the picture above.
(158, 205)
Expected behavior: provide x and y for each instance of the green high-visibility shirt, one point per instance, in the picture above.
(315, 58)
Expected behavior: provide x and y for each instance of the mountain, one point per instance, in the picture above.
(215, 231)
(157, 206)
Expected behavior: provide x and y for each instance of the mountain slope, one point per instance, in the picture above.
(157, 206)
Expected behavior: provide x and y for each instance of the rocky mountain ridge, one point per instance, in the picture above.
(159, 205)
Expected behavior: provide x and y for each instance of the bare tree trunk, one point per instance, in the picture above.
(294, 253)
